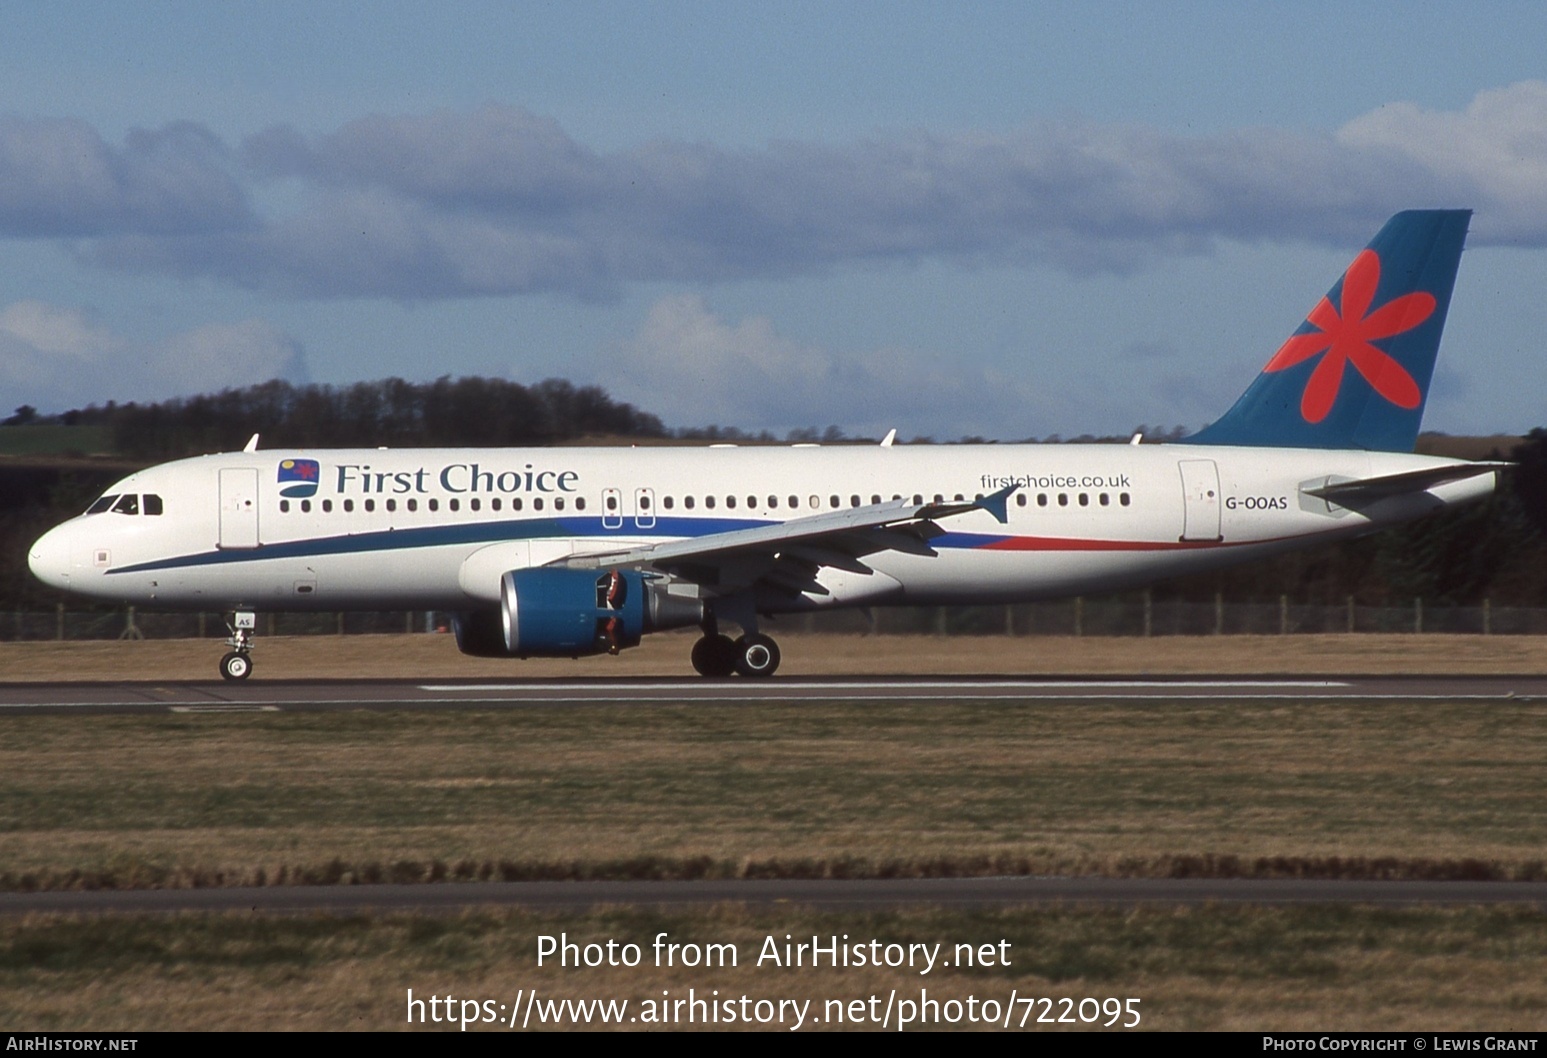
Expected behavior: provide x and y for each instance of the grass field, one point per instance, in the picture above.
(1418, 790)
(1321, 968)
(1428, 789)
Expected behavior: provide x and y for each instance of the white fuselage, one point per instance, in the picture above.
(436, 528)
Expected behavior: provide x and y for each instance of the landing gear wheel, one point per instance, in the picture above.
(236, 666)
(756, 655)
(714, 656)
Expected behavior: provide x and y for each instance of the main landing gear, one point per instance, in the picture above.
(237, 665)
(717, 655)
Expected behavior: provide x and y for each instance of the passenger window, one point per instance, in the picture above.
(494, 504)
(687, 501)
(128, 503)
(349, 506)
(730, 501)
(794, 502)
(773, 501)
(1020, 499)
(667, 501)
(515, 504)
(102, 504)
(580, 503)
(875, 499)
(751, 501)
(413, 505)
(1084, 499)
(1106, 501)
(1123, 498)
(853, 501)
(1041, 499)
(475, 503)
(327, 506)
(537, 504)
(455, 505)
(152, 503)
(284, 506)
(434, 505)
(558, 503)
(612, 503)
(832, 501)
(392, 505)
(709, 502)
(1063, 499)
(370, 505)
(917, 499)
(306, 506)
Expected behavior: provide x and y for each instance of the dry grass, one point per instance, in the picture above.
(1394, 789)
(1164, 787)
(1300, 968)
(436, 657)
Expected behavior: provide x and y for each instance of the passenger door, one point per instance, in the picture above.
(238, 508)
(1200, 500)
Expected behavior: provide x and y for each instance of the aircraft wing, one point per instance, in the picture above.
(788, 554)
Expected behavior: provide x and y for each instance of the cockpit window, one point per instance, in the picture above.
(128, 503)
(101, 505)
(152, 503)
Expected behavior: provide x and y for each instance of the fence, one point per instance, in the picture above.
(1127, 615)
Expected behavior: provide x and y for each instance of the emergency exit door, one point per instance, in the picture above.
(1200, 500)
(238, 508)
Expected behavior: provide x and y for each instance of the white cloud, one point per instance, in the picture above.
(500, 201)
(56, 357)
(691, 367)
(49, 329)
(1493, 154)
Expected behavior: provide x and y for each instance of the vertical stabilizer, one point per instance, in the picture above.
(1356, 374)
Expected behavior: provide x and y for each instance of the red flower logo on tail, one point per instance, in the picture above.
(1347, 336)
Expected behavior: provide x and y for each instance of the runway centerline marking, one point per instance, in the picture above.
(906, 685)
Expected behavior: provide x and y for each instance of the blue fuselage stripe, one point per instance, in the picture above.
(476, 533)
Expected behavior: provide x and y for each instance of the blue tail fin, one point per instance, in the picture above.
(1356, 374)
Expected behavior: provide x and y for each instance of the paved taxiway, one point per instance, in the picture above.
(303, 695)
(877, 893)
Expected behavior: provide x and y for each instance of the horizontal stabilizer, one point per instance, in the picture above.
(1397, 484)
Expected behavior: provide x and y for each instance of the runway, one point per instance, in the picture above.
(833, 895)
(200, 696)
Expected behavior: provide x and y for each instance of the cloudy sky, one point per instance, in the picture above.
(1007, 220)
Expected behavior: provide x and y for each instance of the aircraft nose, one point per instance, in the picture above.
(49, 559)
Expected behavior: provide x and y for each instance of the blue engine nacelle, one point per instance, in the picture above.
(569, 612)
(572, 612)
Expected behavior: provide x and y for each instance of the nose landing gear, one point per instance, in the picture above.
(237, 665)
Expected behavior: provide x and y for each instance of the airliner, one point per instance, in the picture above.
(580, 551)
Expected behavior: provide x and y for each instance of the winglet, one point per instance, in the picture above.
(891, 435)
(252, 444)
(998, 504)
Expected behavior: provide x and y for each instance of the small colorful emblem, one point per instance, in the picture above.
(298, 478)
